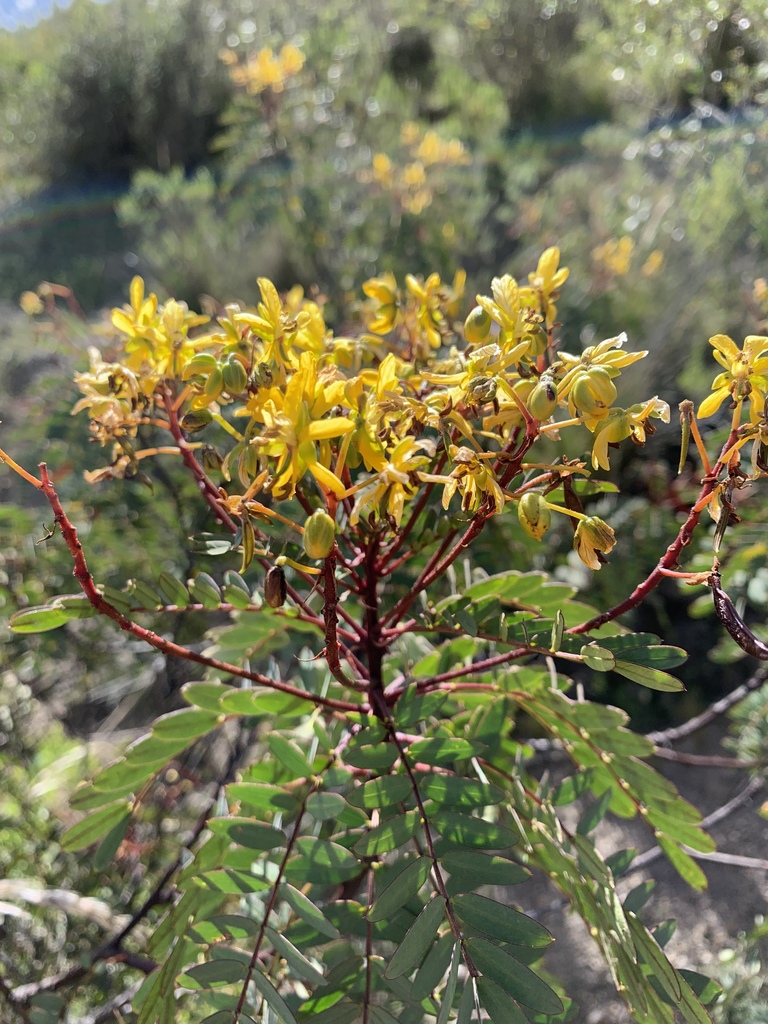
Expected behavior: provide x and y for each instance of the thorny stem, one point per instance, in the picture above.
(84, 578)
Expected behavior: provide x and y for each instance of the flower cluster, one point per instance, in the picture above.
(366, 426)
(412, 180)
(264, 69)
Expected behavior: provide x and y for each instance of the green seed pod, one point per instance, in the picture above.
(602, 385)
(543, 400)
(275, 590)
(234, 376)
(533, 514)
(195, 420)
(477, 326)
(319, 534)
(214, 385)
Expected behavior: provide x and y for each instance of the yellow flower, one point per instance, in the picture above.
(547, 281)
(472, 477)
(744, 375)
(395, 481)
(294, 428)
(622, 423)
(593, 537)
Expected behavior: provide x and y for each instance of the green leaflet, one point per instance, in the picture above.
(501, 1009)
(439, 751)
(290, 755)
(38, 620)
(485, 870)
(95, 825)
(653, 678)
(418, 939)
(433, 970)
(244, 832)
(187, 724)
(450, 985)
(213, 973)
(456, 791)
(305, 909)
(383, 792)
(499, 921)
(272, 997)
(321, 861)
(513, 977)
(472, 832)
(400, 889)
(389, 835)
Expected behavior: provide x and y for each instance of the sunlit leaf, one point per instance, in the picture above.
(215, 972)
(322, 862)
(653, 678)
(389, 835)
(272, 997)
(439, 751)
(187, 724)
(289, 754)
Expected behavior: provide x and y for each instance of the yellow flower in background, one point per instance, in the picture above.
(744, 375)
(547, 280)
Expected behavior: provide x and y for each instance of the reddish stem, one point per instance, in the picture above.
(84, 578)
(672, 554)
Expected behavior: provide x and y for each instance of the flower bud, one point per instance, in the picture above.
(477, 326)
(539, 340)
(543, 400)
(481, 389)
(274, 587)
(203, 362)
(602, 385)
(593, 537)
(583, 398)
(214, 385)
(534, 515)
(173, 316)
(319, 534)
(234, 375)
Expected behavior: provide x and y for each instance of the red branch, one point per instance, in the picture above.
(672, 554)
(84, 578)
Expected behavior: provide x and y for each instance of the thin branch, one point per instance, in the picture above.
(672, 555)
(719, 707)
(84, 578)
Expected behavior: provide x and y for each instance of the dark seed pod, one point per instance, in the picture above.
(733, 622)
(275, 590)
(196, 420)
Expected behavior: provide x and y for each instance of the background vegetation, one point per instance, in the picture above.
(146, 137)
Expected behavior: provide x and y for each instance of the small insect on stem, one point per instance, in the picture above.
(733, 622)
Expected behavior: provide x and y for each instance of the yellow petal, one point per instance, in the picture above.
(712, 403)
(725, 345)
